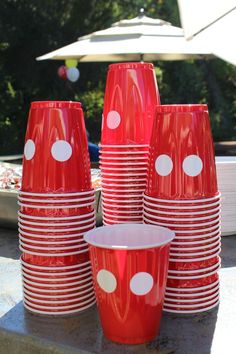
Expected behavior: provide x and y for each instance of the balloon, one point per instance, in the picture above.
(62, 72)
(71, 63)
(72, 74)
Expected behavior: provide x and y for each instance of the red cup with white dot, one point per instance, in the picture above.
(182, 161)
(56, 155)
(130, 98)
(129, 264)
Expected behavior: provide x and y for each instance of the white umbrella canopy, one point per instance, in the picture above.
(141, 38)
(214, 23)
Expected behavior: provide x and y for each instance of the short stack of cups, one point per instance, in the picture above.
(182, 195)
(56, 210)
(130, 100)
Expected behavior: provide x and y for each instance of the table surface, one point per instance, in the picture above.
(22, 332)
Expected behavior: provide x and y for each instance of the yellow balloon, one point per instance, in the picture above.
(71, 63)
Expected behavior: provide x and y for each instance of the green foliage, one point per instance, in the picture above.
(30, 28)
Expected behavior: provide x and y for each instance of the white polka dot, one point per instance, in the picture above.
(163, 165)
(106, 281)
(61, 150)
(29, 149)
(141, 283)
(113, 120)
(192, 165)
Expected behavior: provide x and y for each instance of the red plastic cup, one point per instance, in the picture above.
(182, 161)
(129, 105)
(56, 155)
(129, 264)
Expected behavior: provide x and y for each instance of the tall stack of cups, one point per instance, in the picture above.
(56, 209)
(130, 100)
(182, 195)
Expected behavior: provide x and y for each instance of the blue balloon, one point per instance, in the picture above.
(73, 74)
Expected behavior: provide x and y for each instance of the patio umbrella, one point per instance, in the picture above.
(140, 38)
(213, 23)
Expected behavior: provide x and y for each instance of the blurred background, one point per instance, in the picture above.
(30, 28)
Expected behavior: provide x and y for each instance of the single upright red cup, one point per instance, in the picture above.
(129, 105)
(56, 155)
(129, 264)
(182, 161)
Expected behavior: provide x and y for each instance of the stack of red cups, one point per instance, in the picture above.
(130, 100)
(56, 209)
(182, 195)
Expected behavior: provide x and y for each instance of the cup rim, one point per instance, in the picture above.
(122, 206)
(183, 219)
(180, 254)
(129, 163)
(57, 273)
(192, 311)
(55, 224)
(52, 254)
(60, 307)
(60, 312)
(82, 216)
(123, 195)
(25, 285)
(190, 271)
(123, 185)
(128, 217)
(106, 211)
(192, 300)
(130, 65)
(124, 174)
(74, 194)
(183, 225)
(181, 108)
(79, 276)
(128, 146)
(187, 290)
(192, 277)
(150, 231)
(194, 305)
(124, 152)
(42, 300)
(188, 237)
(195, 259)
(54, 206)
(52, 248)
(93, 222)
(58, 296)
(126, 180)
(182, 207)
(128, 200)
(54, 285)
(123, 190)
(53, 242)
(106, 221)
(50, 236)
(55, 201)
(55, 104)
(217, 236)
(137, 169)
(198, 247)
(53, 267)
(124, 158)
(180, 213)
(183, 201)
(184, 233)
(194, 294)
